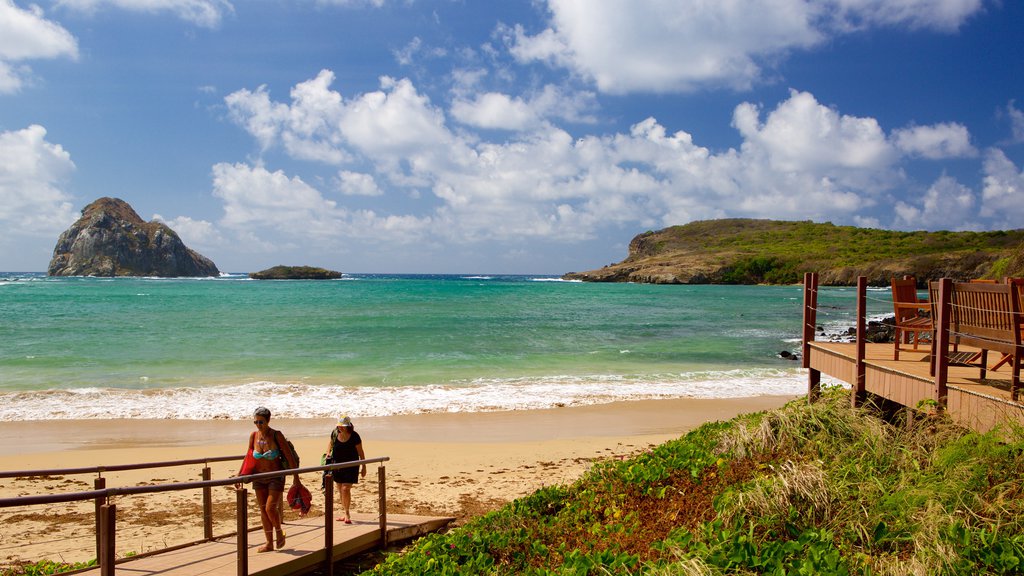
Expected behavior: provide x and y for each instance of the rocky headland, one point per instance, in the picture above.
(295, 273)
(748, 251)
(110, 239)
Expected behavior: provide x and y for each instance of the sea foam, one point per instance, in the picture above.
(300, 400)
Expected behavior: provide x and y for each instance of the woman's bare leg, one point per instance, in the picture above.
(345, 494)
(274, 513)
(268, 527)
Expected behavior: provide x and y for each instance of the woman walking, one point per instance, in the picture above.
(267, 447)
(346, 446)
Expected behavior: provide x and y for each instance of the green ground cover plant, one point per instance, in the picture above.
(817, 488)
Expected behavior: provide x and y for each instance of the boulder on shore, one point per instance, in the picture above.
(110, 239)
(295, 273)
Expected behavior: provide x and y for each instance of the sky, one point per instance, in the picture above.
(512, 136)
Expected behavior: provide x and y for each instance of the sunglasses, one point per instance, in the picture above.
(259, 422)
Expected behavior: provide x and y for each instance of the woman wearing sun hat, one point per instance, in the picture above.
(346, 446)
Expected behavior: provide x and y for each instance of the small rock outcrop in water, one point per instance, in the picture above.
(295, 273)
(110, 239)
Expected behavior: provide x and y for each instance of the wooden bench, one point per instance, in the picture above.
(988, 317)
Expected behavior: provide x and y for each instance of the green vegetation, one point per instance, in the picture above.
(808, 489)
(46, 568)
(747, 251)
(837, 245)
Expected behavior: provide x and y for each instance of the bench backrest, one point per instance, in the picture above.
(986, 315)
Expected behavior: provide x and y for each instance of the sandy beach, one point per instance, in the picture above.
(457, 464)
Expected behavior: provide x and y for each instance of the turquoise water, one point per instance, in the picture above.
(374, 344)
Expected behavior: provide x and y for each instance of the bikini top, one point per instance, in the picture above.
(268, 455)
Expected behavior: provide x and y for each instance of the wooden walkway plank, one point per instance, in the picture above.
(974, 402)
(304, 550)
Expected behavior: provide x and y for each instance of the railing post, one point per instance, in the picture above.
(810, 322)
(329, 523)
(858, 394)
(242, 531)
(207, 506)
(99, 484)
(942, 341)
(108, 539)
(382, 504)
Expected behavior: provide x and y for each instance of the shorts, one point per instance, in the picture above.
(270, 484)
(346, 475)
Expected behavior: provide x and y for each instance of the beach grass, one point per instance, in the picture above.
(805, 489)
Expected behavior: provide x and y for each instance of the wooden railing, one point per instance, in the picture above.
(106, 527)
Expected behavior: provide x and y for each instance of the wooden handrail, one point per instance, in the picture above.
(115, 468)
(174, 486)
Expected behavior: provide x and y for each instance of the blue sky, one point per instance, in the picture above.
(502, 137)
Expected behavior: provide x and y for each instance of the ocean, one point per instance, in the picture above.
(375, 345)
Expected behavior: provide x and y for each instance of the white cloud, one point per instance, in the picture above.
(936, 142)
(194, 233)
(1016, 122)
(28, 35)
(255, 198)
(685, 45)
(947, 205)
(1002, 191)
(206, 13)
(493, 110)
(358, 184)
(802, 135)
(667, 46)
(942, 15)
(274, 212)
(799, 160)
(32, 172)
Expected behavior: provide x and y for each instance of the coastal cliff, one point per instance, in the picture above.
(110, 239)
(748, 251)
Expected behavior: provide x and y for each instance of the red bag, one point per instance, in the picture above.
(248, 465)
(299, 498)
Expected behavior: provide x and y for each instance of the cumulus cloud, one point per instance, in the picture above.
(802, 136)
(685, 45)
(206, 13)
(358, 184)
(32, 173)
(1002, 190)
(949, 140)
(255, 197)
(1016, 122)
(28, 35)
(946, 205)
(194, 233)
(493, 110)
(801, 159)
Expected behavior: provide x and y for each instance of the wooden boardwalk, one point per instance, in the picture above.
(953, 387)
(303, 552)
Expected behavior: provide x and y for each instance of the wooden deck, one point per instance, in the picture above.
(970, 401)
(303, 552)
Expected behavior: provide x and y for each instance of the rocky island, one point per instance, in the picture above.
(295, 273)
(748, 251)
(110, 239)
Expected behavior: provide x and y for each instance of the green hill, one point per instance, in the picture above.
(808, 489)
(745, 251)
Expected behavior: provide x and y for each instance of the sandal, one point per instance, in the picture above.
(268, 547)
(280, 538)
